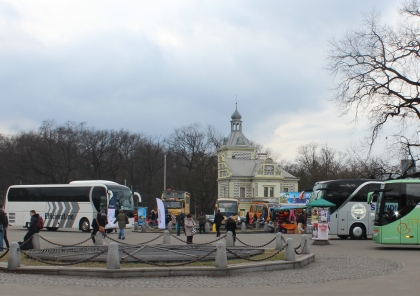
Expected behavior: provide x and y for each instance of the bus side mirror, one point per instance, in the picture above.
(138, 195)
(369, 197)
(110, 194)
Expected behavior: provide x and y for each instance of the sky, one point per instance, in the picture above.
(152, 66)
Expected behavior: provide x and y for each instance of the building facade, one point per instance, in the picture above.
(247, 176)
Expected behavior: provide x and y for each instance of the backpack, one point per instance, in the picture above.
(39, 223)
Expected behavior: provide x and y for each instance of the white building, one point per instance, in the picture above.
(247, 176)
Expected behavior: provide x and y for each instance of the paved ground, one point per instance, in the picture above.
(343, 268)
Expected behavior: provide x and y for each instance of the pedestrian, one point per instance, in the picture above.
(153, 217)
(5, 231)
(98, 221)
(247, 218)
(201, 222)
(3, 225)
(218, 219)
(189, 228)
(32, 228)
(231, 225)
(300, 221)
(180, 222)
(122, 220)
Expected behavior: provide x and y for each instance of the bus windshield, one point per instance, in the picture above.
(228, 207)
(122, 198)
(172, 204)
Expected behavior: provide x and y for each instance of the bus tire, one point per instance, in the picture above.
(52, 228)
(343, 236)
(84, 225)
(357, 231)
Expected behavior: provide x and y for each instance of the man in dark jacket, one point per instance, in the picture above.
(32, 229)
(98, 221)
(218, 218)
(4, 223)
(180, 221)
(231, 226)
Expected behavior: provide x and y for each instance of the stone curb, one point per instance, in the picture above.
(232, 269)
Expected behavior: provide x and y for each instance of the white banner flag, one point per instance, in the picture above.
(161, 213)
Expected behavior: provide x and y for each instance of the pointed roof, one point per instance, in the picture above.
(236, 115)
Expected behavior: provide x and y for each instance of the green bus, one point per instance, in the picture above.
(397, 214)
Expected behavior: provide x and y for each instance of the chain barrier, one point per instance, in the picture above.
(168, 265)
(140, 244)
(296, 249)
(255, 247)
(27, 254)
(48, 241)
(4, 254)
(254, 260)
(152, 230)
(181, 240)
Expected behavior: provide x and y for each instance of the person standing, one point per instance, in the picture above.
(153, 217)
(3, 226)
(95, 225)
(218, 219)
(32, 228)
(247, 218)
(122, 220)
(189, 224)
(231, 226)
(180, 223)
(300, 221)
(201, 222)
(5, 231)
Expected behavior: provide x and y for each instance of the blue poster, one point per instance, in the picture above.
(141, 212)
(295, 198)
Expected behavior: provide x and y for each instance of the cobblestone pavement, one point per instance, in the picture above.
(326, 268)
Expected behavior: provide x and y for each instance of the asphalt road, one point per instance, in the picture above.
(344, 267)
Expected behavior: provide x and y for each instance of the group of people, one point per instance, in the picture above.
(101, 220)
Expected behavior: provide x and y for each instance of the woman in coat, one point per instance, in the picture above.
(121, 219)
(189, 224)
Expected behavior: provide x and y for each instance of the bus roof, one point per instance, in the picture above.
(227, 199)
(89, 182)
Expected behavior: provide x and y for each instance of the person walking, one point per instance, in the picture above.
(300, 221)
(218, 219)
(189, 224)
(122, 220)
(153, 217)
(180, 222)
(3, 225)
(201, 222)
(231, 226)
(32, 228)
(98, 221)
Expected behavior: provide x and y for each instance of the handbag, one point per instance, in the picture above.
(193, 230)
(101, 229)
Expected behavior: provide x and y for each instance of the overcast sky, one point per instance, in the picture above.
(152, 66)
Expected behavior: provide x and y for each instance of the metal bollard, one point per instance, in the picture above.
(221, 256)
(169, 227)
(257, 225)
(305, 243)
(207, 227)
(166, 237)
(229, 239)
(143, 227)
(99, 240)
(35, 241)
(113, 261)
(243, 227)
(266, 226)
(279, 241)
(135, 226)
(290, 250)
(14, 256)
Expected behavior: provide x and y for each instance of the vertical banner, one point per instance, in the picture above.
(141, 212)
(111, 218)
(161, 214)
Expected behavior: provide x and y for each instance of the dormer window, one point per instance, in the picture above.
(269, 169)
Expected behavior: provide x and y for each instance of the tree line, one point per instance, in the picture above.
(61, 153)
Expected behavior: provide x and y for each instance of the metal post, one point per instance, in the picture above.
(164, 173)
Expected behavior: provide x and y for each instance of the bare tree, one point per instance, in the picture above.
(378, 72)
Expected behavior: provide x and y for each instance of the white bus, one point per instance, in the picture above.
(73, 205)
(351, 216)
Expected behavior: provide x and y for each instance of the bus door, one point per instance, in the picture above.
(390, 216)
(409, 222)
(340, 219)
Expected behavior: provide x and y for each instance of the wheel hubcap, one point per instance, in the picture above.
(85, 225)
(357, 231)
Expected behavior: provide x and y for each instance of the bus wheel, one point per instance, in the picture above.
(357, 231)
(343, 236)
(52, 228)
(84, 225)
